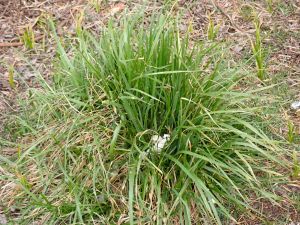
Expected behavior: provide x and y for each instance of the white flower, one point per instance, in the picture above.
(295, 105)
(159, 142)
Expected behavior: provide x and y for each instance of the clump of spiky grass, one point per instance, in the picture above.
(92, 152)
(258, 52)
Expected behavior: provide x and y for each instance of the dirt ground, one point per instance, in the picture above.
(20, 65)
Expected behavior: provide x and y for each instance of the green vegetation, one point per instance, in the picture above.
(285, 8)
(258, 52)
(87, 156)
(96, 4)
(247, 12)
(270, 6)
(296, 166)
(212, 30)
(291, 131)
(28, 38)
(11, 74)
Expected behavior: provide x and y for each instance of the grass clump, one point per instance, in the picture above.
(89, 158)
